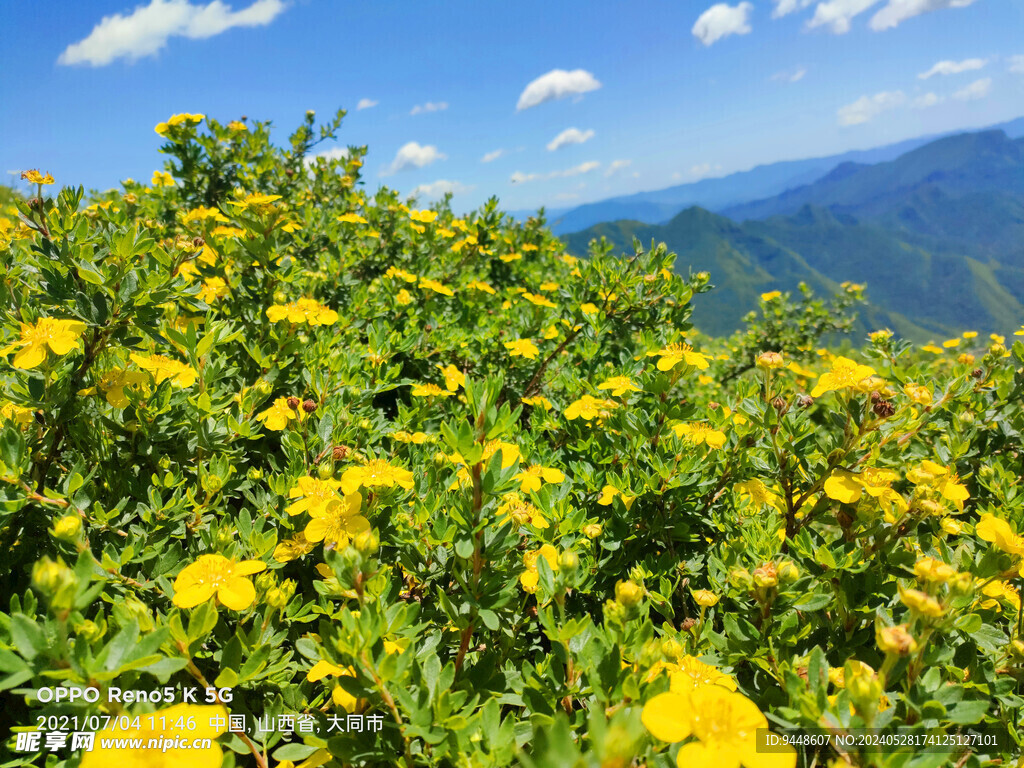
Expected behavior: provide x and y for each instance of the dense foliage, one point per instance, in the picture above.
(329, 453)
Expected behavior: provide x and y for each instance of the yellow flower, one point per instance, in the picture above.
(429, 390)
(302, 311)
(293, 548)
(771, 295)
(674, 354)
(589, 407)
(113, 383)
(508, 258)
(256, 202)
(124, 742)
(216, 575)
(531, 478)
(949, 344)
(942, 479)
(921, 602)
(918, 393)
(213, 289)
(1019, 332)
(162, 179)
(163, 368)
(59, 336)
(35, 177)
(538, 401)
(691, 673)
(928, 569)
(724, 725)
(436, 287)
(376, 473)
(619, 385)
(698, 432)
(477, 285)
(417, 438)
(540, 301)
(705, 598)
(1000, 590)
(313, 495)
(424, 217)
(401, 274)
(758, 493)
(845, 373)
(277, 416)
(998, 531)
(549, 286)
(237, 125)
(15, 413)
(879, 336)
(522, 348)
(453, 377)
(608, 494)
(530, 578)
(352, 218)
(202, 214)
(932, 349)
(521, 511)
(770, 360)
(589, 309)
(338, 522)
(404, 298)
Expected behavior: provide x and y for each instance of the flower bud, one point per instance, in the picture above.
(769, 361)
(568, 561)
(705, 598)
(766, 575)
(741, 578)
(340, 452)
(212, 484)
(883, 409)
(688, 624)
(254, 473)
(592, 531)
(921, 602)
(366, 542)
(263, 387)
(88, 631)
(325, 471)
(309, 406)
(671, 649)
(293, 403)
(895, 640)
(788, 572)
(67, 528)
(804, 401)
(628, 593)
(50, 576)
(366, 425)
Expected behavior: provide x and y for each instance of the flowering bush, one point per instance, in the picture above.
(327, 454)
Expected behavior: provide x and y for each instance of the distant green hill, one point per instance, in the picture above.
(937, 235)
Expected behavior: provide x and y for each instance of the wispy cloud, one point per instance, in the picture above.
(440, 188)
(556, 84)
(430, 106)
(520, 178)
(926, 100)
(837, 14)
(1016, 64)
(490, 157)
(414, 155)
(703, 170)
(786, 7)
(722, 20)
(790, 75)
(366, 104)
(866, 108)
(896, 12)
(979, 89)
(146, 30)
(952, 68)
(615, 166)
(569, 136)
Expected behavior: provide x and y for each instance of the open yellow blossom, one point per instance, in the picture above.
(293, 548)
(950, 343)
(508, 258)
(608, 494)
(845, 373)
(213, 288)
(429, 390)
(531, 478)
(35, 177)
(376, 473)
(931, 348)
(352, 218)
(181, 729)
(928, 569)
(674, 354)
(771, 295)
(997, 531)
(530, 579)
(46, 334)
(589, 309)
(313, 495)
(758, 493)
(217, 576)
(619, 385)
(998, 590)
(847, 487)
(277, 416)
(338, 522)
(436, 287)
(401, 274)
(162, 179)
(15, 413)
(477, 285)
(453, 377)
(161, 368)
(540, 301)
(521, 511)
(522, 348)
(589, 408)
(942, 479)
(416, 438)
(697, 432)
(256, 202)
(723, 725)
(538, 401)
(307, 311)
(424, 217)
(113, 383)
(920, 602)
(690, 673)
(175, 120)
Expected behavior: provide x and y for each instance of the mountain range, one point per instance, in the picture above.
(936, 233)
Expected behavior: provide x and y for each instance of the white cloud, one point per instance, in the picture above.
(334, 153)
(490, 157)
(703, 170)
(430, 106)
(979, 89)
(569, 136)
(556, 84)
(440, 188)
(617, 165)
(146, 30)
(366, 104)
(925, 101)
(677, 176)
(786, 7)
(722, 20)
(567, 195)
(414, 155)
(836, 14)
(790, 75)
(868, 107)
(897, 11)
(520, 178)
(952, 68)
(1016, 64)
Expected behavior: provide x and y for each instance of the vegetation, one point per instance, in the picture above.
(313, 453)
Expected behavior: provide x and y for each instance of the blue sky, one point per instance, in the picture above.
(659, 93)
